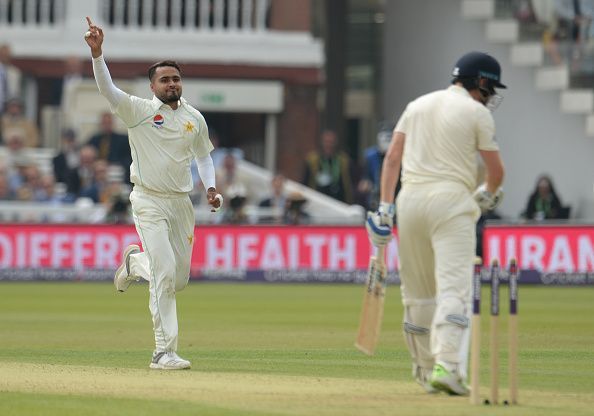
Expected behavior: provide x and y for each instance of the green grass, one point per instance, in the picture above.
(66, 347)
(17, 404)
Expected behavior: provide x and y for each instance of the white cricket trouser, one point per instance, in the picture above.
(437, 239)
(165, 225)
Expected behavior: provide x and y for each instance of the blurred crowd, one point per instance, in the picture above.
(566, 27)
(89, 170)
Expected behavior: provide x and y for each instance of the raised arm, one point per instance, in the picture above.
(94, 38)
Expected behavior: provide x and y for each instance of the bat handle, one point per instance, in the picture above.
(381, 254)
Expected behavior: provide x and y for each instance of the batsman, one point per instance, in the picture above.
(436, 142)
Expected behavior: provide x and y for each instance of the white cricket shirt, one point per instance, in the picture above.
(163, 142)
(444, 131)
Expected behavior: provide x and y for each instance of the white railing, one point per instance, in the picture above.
(88, 213)
(187, 14)
(43, 212)
(321, 208)
(213, 31)
(31, 12)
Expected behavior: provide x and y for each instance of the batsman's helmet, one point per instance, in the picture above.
(477, 65)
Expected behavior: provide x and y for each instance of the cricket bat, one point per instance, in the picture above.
(372, 311)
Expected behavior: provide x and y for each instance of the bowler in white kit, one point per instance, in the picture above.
(165, 135)
(437, 142)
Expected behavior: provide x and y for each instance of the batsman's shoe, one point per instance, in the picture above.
(168, 361)
(122, 278)
(448, 381)
(423, 378)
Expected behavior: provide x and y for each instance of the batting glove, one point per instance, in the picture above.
(485, 199)
(379, 224)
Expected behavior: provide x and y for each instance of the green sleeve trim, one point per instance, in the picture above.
(142, 121)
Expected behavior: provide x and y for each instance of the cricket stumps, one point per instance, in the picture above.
(495, 275)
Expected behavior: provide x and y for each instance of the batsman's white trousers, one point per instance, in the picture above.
(437, 243)
(165, 225)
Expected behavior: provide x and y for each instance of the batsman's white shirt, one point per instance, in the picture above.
(437, 215)
(444, 130)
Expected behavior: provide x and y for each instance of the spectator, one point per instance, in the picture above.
(72, 79)
(82, 176)
(14, 140)
(573, 19)
(217, 155)
(228, 177)
(369, 186)
(6, 193)
(98, 189)
(17, 172)
(46, 192)
(14, 118)
(236, 194)
(118, 210)
(17, 158)
(524, 11)
(544, 204)
(294, 212)
(68, 158)
(10, 77)
(31, 188)
(118, 201)
(329, 171)
(277, 201)
(569, 25)
(111, 146)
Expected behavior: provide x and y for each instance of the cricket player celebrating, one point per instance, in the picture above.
(165, 134)
(437, 140)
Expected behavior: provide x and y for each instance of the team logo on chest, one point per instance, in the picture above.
(189, 127)
(158, 121)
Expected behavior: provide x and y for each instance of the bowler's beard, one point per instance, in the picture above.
(171, 96)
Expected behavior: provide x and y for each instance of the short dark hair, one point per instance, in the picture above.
(153, 67)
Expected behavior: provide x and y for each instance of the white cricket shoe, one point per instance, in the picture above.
(122, 278)
(448, 381)
(168, 361)
(423, 378)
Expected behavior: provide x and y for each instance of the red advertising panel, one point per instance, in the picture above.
(274, 248)
(547, 254)
(547, 249)
(283, 252)
(63, 246)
